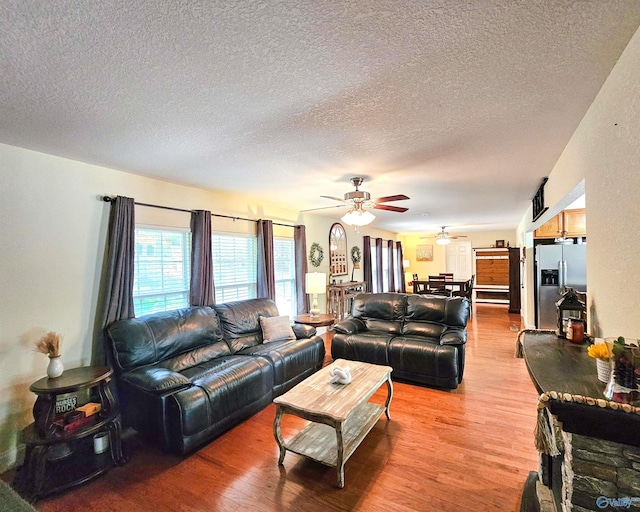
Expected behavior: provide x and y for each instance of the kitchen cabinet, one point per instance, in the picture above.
(574, 222)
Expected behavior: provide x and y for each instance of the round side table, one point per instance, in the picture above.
(321, 320)
(56, 457)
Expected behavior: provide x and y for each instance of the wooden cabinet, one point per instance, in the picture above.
(498, 276)
(550, 229)
(574, 222)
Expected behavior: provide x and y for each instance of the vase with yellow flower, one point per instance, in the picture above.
(602, 351)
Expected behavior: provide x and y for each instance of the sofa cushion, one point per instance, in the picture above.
(241, 321)
(292, 360)
(368, 347)
(380, 312)
(220, 389)
(432, 315)
(159, 336)
(276, 328)
(418, 359)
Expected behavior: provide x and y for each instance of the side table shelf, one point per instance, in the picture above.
(56, 461)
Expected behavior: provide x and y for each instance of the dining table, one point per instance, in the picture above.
(422, 285)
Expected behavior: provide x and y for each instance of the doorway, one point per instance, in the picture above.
(459, 261)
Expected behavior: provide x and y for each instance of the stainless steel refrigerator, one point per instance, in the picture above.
(559, 267)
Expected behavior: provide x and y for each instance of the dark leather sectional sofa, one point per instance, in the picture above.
(422, 337)
(184, 377)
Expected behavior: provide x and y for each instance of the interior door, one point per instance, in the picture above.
(458, 258)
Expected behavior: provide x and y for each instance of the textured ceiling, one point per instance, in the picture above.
(461, 105)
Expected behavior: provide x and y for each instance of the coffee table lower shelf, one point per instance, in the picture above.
(319, 442)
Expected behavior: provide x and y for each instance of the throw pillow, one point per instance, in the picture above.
(276, 328)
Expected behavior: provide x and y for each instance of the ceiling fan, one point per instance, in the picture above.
(359, 202)
(443, 238)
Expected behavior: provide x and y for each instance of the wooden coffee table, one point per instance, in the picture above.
(340, 415)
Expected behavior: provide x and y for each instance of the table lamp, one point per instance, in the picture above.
(315, 283)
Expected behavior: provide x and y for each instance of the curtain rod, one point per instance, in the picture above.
(109, 199)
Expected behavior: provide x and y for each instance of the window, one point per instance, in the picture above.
(162, 259)
(235, 260)
(374, 270)
(385, 269)
(285, 272)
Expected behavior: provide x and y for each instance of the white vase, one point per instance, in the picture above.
(55, 367)
(604, 370)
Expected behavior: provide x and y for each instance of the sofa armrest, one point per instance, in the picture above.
(156, 380)
(350, 326)
(303, 331)
(453, 337)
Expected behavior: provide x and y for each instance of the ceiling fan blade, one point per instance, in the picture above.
(323, 208)
(334, 198)
(457, 236)
(386, 199)
(390, 208)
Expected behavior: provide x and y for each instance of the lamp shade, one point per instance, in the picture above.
(443, 241)
(315, 282)
(358, 217)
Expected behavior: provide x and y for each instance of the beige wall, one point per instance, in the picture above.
(605, 152)
(426, 268)
(53, 228)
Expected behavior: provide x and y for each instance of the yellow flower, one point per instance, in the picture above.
(599, 351)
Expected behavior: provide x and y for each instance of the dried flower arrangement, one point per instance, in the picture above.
(49, 344)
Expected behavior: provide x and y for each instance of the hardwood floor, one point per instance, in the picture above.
(465, 450)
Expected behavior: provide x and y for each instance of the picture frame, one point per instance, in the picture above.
(499, 243)
(424, 253)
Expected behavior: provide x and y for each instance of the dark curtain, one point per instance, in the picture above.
(201, 290)
(116, 290)
(400, 285)
(266, 272)
(378, 256)
(300, 254)
(367, 274)
(391, 271)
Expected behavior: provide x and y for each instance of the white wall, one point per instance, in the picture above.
(605, 152)
(53, 228)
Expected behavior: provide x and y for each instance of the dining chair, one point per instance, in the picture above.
(447, 275)
(437, 286)
(420, 287)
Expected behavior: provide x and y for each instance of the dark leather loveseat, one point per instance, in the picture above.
(422, 337)
(184, 377)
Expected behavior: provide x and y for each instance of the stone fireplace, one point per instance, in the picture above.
(589, 446)
(592, 474)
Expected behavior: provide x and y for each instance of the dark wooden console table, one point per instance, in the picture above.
(45, 471)
(606, 440)
(556, 364)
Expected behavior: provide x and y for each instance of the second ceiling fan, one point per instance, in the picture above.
(443, 238)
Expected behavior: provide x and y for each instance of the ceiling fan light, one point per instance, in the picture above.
(443, 241)
(358, 217)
